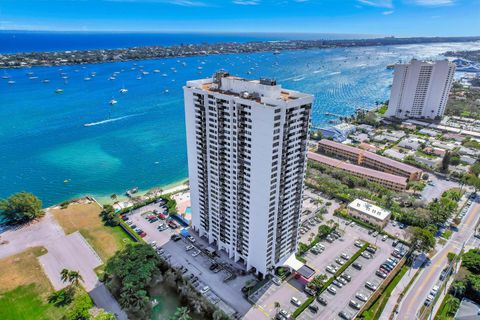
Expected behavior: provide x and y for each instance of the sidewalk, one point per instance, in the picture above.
(392, 301)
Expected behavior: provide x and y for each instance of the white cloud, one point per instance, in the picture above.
(434, 3)
(386, 13)
(247, 2)
(377, 3)
(183, 3)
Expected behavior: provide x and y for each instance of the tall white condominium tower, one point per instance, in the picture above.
(420, 89)
(246, 164)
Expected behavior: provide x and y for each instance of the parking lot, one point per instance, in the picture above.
(193, 262)
(350, 291)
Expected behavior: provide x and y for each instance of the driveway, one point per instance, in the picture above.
(74, 253)
(64, 251)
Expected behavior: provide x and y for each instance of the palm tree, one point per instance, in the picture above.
(182, 313)
(74, 277)
(113, 197)
(64, 275)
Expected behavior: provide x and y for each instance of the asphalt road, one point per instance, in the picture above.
(420, 289)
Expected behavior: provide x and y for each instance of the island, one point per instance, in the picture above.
(71, 57)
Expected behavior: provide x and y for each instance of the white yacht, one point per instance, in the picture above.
(123, 90)
(113, 102)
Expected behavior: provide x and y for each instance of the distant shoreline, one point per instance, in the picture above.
(78, 57)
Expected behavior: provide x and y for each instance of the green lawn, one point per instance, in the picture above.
(25, 302)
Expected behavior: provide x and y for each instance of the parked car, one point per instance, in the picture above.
(381, 274)
(429, 300)
(332, 290)
(330, 270)
(295, 301)
(310, 291)
(375, 234)
(175, 237)
(322, 300)
(346, 276)
(191, 239)
(361, 297)
(172, 224)
(313, 308)
(204, 289)
(366, 255)
(354, 304)
(195, 253)
(370, 286)
(340, 261)
(371, 249)
(395, 242)
(358, 244)
(357, 265)
(342, 281)
(337, 283)
(345, 256)
(345, 315)
(277, 280)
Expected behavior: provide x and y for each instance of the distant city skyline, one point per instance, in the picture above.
(368, 17)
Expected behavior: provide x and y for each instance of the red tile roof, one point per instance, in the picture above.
(358, 169)
(371, 155)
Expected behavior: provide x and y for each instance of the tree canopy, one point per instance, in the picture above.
(128, 275)
(21, 207)
(471, 260)
(422, 239)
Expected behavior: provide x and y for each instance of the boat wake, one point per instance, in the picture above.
(333, 73)
(91, 124)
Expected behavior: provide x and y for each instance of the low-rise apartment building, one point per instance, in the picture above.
(369, 213)
(387, 180)
(368, 159)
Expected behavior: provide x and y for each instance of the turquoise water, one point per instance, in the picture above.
(46, 149)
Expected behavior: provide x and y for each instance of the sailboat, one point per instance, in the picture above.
(113, 102)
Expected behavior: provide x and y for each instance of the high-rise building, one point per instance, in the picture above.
(420, 89)
(247, 150)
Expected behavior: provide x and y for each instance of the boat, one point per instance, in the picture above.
(132, 191)
(156, 71)
(123, 90)
(45, 81)
(58, 90)
(33, 77)
(276, 52)
(87, 78)
(139, 78)
(166, 91)
(112, 78)
(11, 82)
(113, 101)
(145, 72)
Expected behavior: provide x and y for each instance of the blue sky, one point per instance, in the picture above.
(382, 17)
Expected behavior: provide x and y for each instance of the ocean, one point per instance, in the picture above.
(140, 141)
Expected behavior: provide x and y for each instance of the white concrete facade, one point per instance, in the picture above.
(369, 213)
(246, 143)
(420, 89)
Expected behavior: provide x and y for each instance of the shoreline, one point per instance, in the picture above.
(166, 189)
(80, 57)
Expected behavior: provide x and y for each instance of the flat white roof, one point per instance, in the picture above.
(369, 209)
